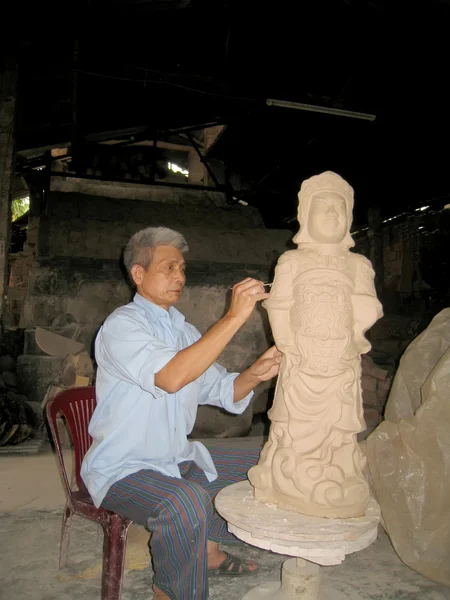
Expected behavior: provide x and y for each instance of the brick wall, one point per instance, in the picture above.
(401, 257)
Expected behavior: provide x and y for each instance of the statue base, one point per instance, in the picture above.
(299, 579)
(285, 502)
(313, 540)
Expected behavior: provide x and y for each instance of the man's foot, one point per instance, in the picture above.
(223, 563)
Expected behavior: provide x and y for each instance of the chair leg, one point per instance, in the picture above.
(65, 537)
(114, 547)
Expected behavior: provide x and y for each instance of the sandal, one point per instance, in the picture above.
(238, 569)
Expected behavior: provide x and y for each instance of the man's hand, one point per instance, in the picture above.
(245, 295)
(263, 369)
(188, 364)
(267, 365)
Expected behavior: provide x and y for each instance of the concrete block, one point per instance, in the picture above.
(30, 345)
(385, 385)
(370, 398)
(7, 363)
(370, 369)
(372, 416)
(390, 256)
(36, 373)
(382, 395)
(368, 383)
(10, 379)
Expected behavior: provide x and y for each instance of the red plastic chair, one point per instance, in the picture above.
(77, 406)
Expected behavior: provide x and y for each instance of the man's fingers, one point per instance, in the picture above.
(268, 368)
(273, 351)
(261, 296)
(245, 295)
(247, 284)
(270, 362)
(273, 361)
(244, 283)
(240, 283)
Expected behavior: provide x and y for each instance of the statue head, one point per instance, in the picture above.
(325, 211)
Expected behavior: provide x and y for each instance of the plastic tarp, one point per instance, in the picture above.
(409, 454)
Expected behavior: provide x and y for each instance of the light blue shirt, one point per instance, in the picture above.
(137, 425)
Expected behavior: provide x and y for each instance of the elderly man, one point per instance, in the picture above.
(154, 369)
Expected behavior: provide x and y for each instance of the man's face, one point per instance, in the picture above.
(163, 281)
(327, 221)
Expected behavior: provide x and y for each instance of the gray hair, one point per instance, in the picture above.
(139, 249)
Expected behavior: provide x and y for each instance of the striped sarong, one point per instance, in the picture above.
(180, 515)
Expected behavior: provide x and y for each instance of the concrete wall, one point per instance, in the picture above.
(183, 197)
(8, 87)
(76, 279)
(89, 226)
(74, 296)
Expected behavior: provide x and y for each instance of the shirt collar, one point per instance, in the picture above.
(154, 312)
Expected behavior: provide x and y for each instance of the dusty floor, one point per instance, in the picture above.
(30, 517)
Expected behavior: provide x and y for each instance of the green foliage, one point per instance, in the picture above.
(19, 207)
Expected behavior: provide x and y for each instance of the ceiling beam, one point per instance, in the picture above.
(338, 112)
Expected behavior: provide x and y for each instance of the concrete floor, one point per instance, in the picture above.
(30, 517)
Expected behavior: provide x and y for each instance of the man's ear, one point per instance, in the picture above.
(137, 273)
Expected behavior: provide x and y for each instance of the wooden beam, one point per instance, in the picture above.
(161, 144)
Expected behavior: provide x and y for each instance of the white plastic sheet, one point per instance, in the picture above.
(416, 364)
(409, 454)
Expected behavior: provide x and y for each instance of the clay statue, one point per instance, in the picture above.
(322, 302)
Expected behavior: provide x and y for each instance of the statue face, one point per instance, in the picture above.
(327, 219)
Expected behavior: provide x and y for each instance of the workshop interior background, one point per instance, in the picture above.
(212, 137)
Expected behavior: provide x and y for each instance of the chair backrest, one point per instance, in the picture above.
(77, 405)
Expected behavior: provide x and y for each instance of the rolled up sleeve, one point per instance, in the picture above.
(129, 351)
(218, 390)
